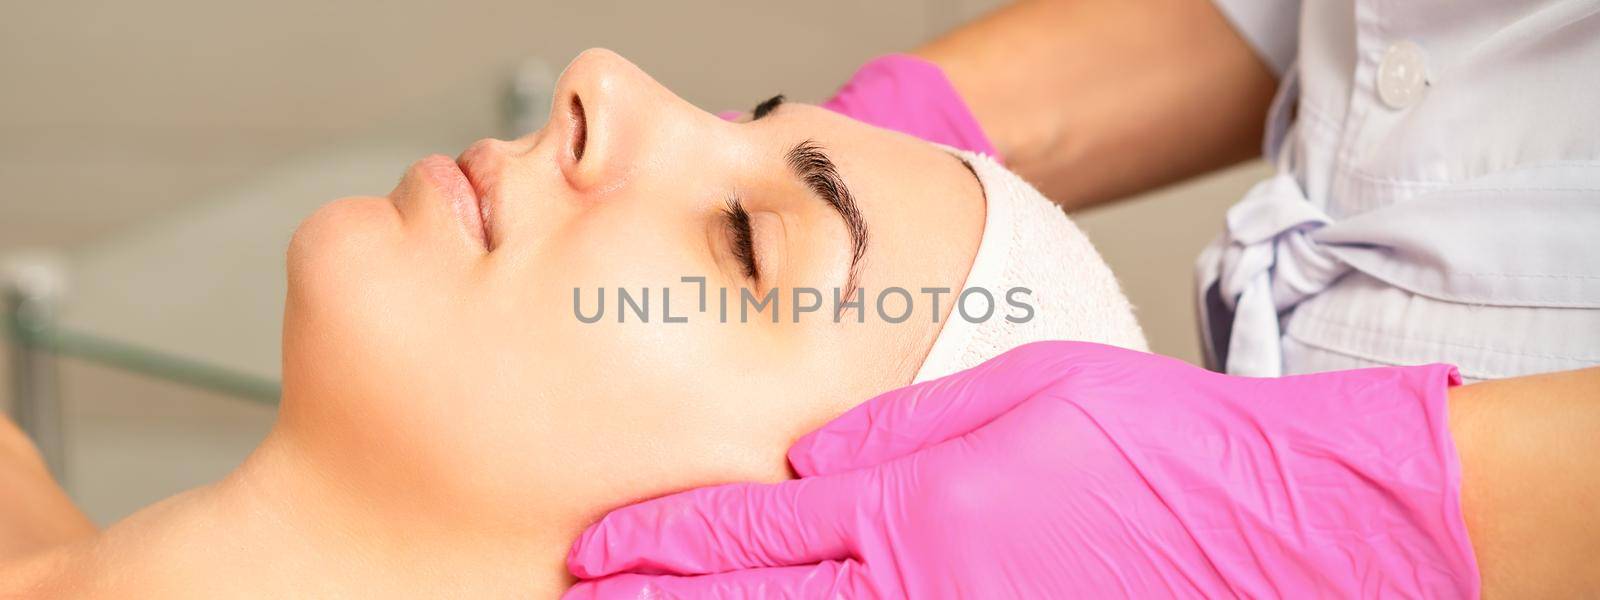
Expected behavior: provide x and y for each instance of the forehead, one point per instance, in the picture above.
(924, 209)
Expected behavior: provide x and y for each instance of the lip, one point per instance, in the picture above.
(480, 164)
(449, 180)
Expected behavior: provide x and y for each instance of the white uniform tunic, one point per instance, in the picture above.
(1437, 196)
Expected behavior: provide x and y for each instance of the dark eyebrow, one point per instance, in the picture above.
(813, 167)
(766, 106)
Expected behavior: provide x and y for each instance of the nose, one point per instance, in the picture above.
(611, 116)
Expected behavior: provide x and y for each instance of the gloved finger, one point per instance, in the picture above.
(829, 579)
(728, 527)
(903, 421)
(911, 95)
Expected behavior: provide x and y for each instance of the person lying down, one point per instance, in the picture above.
(465, 390)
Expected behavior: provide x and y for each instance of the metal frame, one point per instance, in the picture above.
(35, 392)
(38, 342)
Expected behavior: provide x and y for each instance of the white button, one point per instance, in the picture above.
(1403, 75)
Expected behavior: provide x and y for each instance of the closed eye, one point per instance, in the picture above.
(742, 237)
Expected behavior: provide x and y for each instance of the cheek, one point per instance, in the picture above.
(333, 245)
(661, 402)
(585, 270)
(355, 299)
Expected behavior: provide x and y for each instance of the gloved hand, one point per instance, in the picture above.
(1064, 469)
(909, 95)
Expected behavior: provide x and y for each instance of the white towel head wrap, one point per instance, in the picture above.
(1028, 242)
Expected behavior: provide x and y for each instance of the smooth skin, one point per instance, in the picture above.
(1530, 461)
(448, 426)
(37, 514)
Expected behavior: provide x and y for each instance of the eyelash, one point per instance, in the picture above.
(743, 237)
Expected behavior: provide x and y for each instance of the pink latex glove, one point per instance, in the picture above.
(910, 95)
(1064, 469)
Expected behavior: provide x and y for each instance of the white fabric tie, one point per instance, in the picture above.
(1475, 246)
(1270, 263)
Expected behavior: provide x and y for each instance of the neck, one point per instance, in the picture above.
(285, 524)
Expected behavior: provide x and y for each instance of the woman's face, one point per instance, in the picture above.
(433, 332)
